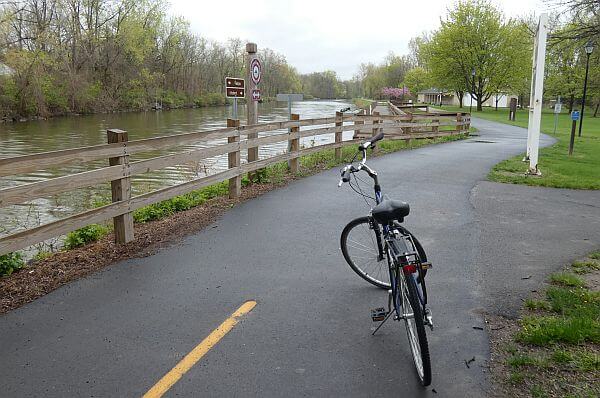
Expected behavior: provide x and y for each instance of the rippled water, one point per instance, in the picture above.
(71, 132)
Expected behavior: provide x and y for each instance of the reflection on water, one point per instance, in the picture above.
(70, 132)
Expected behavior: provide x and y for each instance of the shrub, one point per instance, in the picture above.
(10, 263)
(85, 235)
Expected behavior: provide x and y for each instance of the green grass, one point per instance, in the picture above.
(566, 279)
(573, 317)
(559, 170)
(555, 352)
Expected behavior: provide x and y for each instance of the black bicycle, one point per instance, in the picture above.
(381, 251)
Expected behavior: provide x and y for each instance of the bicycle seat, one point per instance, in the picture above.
(390, 210)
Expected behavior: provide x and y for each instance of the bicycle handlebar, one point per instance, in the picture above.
(348, 169)
(344, 110)
(365, 145)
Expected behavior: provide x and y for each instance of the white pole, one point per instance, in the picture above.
(535, 109)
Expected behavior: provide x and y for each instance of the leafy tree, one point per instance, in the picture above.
(417, 79)
(475, 37)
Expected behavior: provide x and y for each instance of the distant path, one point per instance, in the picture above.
(116, 333)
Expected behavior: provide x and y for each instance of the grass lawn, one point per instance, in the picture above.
(559, 170)
(555, 350)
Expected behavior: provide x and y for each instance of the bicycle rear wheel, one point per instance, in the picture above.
(412, 311)
(361, 246)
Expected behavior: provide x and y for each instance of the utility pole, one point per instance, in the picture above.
(589, 47)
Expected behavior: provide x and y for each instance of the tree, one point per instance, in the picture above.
(478, 51)
(417, 79)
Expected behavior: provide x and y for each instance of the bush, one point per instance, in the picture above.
(10, 263)
(85, 235)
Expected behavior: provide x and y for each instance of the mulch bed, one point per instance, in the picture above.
(61, 268)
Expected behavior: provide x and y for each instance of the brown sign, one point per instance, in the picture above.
(234, 82)
(235, 92)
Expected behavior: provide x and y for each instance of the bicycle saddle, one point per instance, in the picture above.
(390, 210)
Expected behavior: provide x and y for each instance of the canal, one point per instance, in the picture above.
(77, 131)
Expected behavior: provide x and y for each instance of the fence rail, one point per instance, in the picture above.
(236, 138)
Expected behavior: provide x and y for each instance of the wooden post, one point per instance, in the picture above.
(375, 129)
(235, 183)
(408, 130)
(121, 189)
(252, 105)
(435, 129)
(338, 134)
(459, 126)
(294, 144)
(358, 123)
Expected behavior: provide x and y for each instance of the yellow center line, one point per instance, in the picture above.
(168, 380)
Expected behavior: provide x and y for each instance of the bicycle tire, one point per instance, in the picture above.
(417, 341)
(368, 248)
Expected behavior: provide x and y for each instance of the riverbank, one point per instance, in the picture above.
(559, 170)
(57, 269)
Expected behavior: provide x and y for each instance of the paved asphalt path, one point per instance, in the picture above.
(116, 333)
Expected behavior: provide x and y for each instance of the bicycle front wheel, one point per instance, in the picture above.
(412, 312)
(361, 244)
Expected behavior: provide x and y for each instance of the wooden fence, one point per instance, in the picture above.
(240, 138)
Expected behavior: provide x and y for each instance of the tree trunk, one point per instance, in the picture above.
(461, 96)
(571, 102)
(496, 102)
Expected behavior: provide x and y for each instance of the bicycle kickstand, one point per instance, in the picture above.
(382, 322)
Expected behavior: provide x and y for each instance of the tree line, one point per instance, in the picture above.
(85, 56)
(478, 50)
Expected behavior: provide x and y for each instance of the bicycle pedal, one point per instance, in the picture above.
(378, 314)
(426, 265)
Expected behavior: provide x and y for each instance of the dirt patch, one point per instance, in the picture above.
(63, 267)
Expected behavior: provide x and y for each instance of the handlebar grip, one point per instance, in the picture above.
(346, 175)
(378, 137)
(344, 110)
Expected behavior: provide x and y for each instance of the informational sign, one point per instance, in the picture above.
(289, 97)
(255, 70)
(575, 115)
(234, 87)
(557, 107)
(255, 95)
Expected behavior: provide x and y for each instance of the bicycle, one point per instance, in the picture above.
(383, 237)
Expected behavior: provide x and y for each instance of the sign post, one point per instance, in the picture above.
(289, 98)
(557, 110)
(574, 118)
(252, 94)
(537, 89)
(235, 88)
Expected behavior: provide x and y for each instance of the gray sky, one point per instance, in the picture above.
(315, 35)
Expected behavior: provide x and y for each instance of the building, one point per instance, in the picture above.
(436, 96)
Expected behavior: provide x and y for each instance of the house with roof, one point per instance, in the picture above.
(436, 96)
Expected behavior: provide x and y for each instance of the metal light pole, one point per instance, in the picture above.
(589, 47)
(472, 89)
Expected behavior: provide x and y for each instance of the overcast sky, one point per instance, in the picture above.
(315, 35)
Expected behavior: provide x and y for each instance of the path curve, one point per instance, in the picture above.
(117, 332)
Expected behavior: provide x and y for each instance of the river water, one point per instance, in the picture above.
(77, 131)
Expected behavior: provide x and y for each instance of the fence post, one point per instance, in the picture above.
(294, 144)
(235, 183)
(338, 135)
(121, 189)
(459, 126)
(358, 123)
(375, 129)
(435, 129)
